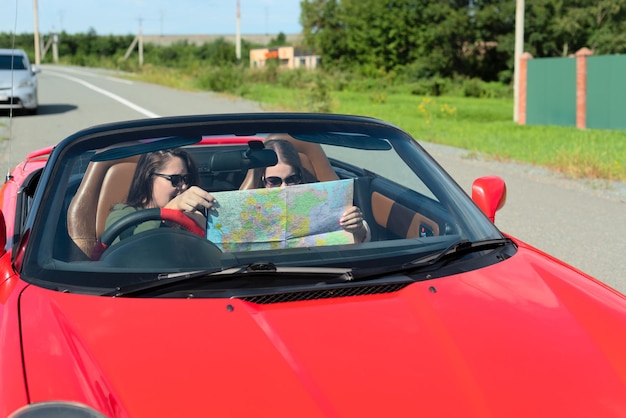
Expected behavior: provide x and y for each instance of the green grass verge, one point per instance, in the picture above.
(483, 126)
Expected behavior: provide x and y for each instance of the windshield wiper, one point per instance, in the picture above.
(169, 279)
(252, 270)
(459, 248)
(453, 251)
(162, 280)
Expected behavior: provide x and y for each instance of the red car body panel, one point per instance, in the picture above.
(13, 394)
(8, 193)
(435, 348)
(529, 336)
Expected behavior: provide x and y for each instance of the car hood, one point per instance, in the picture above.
(525, 337)
(7, 79)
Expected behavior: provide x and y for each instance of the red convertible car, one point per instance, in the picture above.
(261, 301)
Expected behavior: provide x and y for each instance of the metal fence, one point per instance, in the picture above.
(584, 91)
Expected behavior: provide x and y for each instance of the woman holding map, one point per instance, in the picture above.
(289, 171)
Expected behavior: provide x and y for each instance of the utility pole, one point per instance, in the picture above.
(138, 40)
(519, 50)
(37, 44)
(140, 36)
(238, 34)
(55, 47)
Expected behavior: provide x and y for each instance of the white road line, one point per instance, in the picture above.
(119, 80)
(107, 93)
(89, 74)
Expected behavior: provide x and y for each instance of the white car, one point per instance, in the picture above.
(18, 81)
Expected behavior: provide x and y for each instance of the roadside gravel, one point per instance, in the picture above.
(612, 190)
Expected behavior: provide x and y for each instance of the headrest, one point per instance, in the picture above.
(311, 155)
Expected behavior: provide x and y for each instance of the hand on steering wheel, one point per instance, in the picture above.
(140, 216)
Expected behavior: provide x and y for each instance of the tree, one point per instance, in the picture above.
(280, 40)
(323, 30)
(561, 27)
(384, 35)
(473, 38)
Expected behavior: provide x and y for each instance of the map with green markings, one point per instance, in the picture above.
(303, 215)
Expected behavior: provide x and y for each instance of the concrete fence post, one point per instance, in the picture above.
(523, 87)
(581, 87)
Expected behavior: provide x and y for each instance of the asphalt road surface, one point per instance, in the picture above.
(580, 222)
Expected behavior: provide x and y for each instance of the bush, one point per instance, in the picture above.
(296, 79)
(435, 86)
(319, 98)
(256, 75)
(221, 79)
(474, 87)
(365, 85)
(498, 90)
(339, 80)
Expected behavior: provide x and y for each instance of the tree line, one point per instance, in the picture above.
(92, 49)
(406, 40)
(470, 38)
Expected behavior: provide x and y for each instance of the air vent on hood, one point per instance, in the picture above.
(335, 292)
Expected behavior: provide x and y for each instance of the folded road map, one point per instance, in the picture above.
(296, 216)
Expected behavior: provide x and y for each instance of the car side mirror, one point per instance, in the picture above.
(489, 193)
(3, 234)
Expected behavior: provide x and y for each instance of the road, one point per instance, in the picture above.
(581, 223)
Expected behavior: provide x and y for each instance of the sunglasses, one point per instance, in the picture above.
(177, 180)
(274, 181)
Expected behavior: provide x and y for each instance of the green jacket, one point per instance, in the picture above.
(118, 212)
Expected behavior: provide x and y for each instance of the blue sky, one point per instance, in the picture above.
(167, 17)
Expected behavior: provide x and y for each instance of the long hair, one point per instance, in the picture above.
(141, 187)
(287, 154)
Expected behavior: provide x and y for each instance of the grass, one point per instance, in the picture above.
(163, 76)
(484, 127)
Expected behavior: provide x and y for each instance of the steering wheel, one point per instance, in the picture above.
(140, 216)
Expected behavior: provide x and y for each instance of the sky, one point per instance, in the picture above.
(155, 17)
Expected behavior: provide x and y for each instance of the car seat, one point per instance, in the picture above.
(311, 155)
(104, 184)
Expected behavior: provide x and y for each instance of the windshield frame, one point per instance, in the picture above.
(56, 177)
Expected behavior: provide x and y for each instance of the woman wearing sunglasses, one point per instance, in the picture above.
(164, 179)
(289, 171)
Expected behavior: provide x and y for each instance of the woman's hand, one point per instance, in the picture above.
(194, 202)
(352, 221)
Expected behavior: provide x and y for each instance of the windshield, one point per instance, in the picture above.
(297, 192)
(15, 62)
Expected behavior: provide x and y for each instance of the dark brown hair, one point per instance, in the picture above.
(141, 188)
